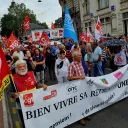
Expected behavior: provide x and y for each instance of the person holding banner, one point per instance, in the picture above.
(76, 72)
(24, 82)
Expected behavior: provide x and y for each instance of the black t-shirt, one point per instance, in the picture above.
(39, 59)
(29, 64)
(8, 58)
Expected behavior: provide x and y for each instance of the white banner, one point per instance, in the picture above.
(64, 104)
(52, 33)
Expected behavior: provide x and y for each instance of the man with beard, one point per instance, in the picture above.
(24, 80)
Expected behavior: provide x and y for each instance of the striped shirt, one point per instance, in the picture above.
(104, 56)
(76, 69)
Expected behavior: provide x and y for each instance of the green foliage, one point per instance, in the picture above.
(15, 18)
(44, 25)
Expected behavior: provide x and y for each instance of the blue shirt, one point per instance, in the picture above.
(53, 49)
(96, 53)
(84, 67)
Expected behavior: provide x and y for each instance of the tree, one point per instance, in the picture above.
(15, 18)
(43, 24)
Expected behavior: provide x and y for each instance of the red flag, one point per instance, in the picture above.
(52, 26)
(30, 39)
(27, 23)
(90, 37)
(13, 42)
(4, 39)
(44, 39)
(83, 37)
(98, 30)
(4, 73)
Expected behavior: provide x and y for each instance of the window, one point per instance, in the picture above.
(86, 7)
(102, 21)
(107, 19)
(103, 3)
(125, 15)
(88, 25)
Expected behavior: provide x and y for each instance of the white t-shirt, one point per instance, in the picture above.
(20, 55)
(120, 58)
(64, 70)
(96, 53)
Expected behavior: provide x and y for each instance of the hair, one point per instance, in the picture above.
(15, 58)
(25, 52)
(62, 51)
(20, 62)
(35, 51)
(75, 53)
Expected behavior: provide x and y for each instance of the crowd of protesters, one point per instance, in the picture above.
(31, 64)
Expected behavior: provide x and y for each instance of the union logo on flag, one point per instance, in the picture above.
(104, 81)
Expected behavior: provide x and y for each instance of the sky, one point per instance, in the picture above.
(46, 11)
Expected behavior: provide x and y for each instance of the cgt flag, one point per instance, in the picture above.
(4, 73)
(83, 37)
(4, 39)
(13, 42)
(69, 31)
(90, 37)
(30, 39)
(98, 30)
(27, 23)
(44, 40)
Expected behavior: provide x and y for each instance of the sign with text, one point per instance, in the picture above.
(63, 104)
(52, 33)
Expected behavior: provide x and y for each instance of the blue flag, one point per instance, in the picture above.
(69, 31)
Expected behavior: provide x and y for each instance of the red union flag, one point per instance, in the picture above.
(90, 37)
(83, 37)
(30, 39)
(44, 39)
(13, 42)
(27, 23)
(98, 30)
(4, 39)
(4, 73)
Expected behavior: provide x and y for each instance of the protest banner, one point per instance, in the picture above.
(52, 33)
(64, 104)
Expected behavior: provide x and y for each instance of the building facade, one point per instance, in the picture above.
(74, 10)
(113, 15)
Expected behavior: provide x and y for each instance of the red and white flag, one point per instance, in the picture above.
(90, 37)
(4, 39)
(30, 39)
(83, 37)
(44, 40)
(53, 26)
(98, 30)
(27, 23)
(13, 42)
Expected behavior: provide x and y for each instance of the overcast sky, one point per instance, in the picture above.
(46, 11)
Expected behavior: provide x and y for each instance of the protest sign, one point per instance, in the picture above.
(64, 104)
